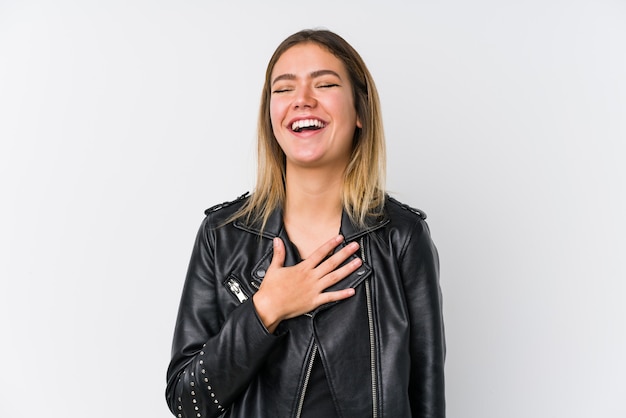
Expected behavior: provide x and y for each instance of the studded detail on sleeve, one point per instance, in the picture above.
(213, 358)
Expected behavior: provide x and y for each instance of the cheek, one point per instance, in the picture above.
(277, 109)
(275, 118)
(352, 120)
(348, 109)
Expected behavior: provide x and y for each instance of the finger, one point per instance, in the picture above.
(318, 255)
(341, 273)
(336, 295)
(278, 258)
(336, 259)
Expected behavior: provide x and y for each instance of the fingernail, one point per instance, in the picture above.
(339, 238)
(276, 242)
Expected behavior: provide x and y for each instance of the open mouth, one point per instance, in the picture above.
(307, 125)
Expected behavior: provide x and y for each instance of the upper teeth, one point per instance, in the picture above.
(307, 123)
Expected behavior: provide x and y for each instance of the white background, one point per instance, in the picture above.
(121, 121)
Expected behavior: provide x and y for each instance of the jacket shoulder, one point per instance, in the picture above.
(408, 225)
(399, 209)
(217, 214)
(226, 204)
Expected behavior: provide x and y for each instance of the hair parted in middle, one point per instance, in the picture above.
(363, 191)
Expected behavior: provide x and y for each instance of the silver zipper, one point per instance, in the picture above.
(307, 376)
(370, 319)
(236, 290)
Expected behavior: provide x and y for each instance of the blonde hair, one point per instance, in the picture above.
(363, 191)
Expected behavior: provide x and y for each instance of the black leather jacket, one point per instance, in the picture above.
(383, 349)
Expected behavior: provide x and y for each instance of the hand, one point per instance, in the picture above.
(287, 292)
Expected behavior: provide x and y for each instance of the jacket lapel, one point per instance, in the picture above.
(351, 232)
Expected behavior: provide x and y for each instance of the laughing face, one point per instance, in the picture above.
(312, 108)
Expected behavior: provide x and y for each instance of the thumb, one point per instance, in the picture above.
(278, 258)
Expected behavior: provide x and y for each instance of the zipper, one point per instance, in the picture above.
(235, 289)
(307, 376)
(370, 320)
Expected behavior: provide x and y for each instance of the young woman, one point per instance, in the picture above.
(318, 295)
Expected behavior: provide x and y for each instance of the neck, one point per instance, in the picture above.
(313, 196)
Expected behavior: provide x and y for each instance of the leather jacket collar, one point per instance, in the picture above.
(274, 226)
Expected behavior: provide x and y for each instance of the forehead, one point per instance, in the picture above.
(306, 58)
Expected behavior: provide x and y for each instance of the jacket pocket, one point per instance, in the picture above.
(234, 287)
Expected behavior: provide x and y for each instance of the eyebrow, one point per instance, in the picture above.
(314, 74)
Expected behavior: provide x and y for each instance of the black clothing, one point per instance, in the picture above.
(318, 401)
(384, 347)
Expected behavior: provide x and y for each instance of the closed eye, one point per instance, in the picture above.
(328, 85)
(282, 90)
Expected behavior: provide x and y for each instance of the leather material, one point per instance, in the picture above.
(225, 363)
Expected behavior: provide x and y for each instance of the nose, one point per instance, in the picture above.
(304, 98)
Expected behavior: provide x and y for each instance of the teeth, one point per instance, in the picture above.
(307, 123)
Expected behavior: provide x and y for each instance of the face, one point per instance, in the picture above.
(312, 107)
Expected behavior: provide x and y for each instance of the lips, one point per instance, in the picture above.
(307, 125)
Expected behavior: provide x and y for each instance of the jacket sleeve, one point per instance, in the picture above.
(214, 355)
(420, 269)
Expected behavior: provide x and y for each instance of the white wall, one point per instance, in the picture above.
(120, 121)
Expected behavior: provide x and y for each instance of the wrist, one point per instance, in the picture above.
(265, 312)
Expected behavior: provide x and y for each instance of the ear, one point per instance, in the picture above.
(358, 122)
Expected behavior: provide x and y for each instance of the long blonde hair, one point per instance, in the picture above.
(363, 190)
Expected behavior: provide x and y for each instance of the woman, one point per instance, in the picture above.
(318, 295)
